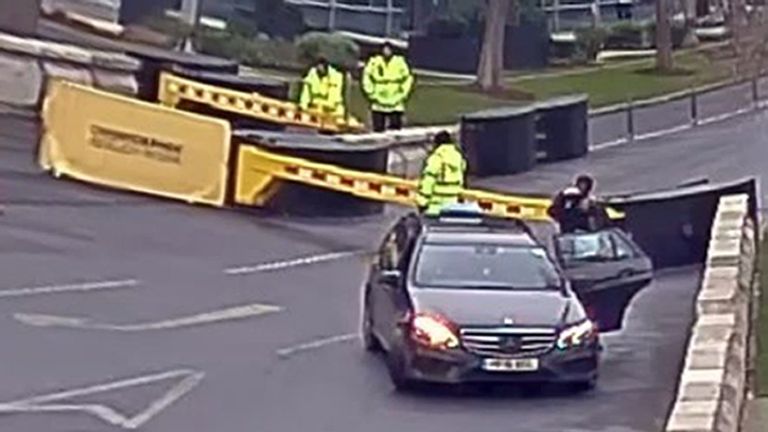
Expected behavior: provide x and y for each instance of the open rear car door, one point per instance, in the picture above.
(606, 269)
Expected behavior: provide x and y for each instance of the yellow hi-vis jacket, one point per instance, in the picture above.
(323, 93)
(442, 179)
(387, 84)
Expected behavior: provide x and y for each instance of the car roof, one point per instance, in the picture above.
(488, 230)
(458, 237)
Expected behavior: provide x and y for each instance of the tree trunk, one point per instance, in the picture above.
(491, 66)
(663, 37)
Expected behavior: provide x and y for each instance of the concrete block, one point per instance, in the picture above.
(68, 53)
(21, 80)
(718, 299)
(731, 213)
(719, 274)
(734, 200)
(716, 320)
(706, 359)
(18, 45)
(115, 61)
(718, 295)
(690, 423)
(696, 391)
(728, 235)
(697, 408)
(114, 81)
(720, 223)
(711, 335)
(78, 74)
(702, 376)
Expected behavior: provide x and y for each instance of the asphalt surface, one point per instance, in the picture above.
(101, 291)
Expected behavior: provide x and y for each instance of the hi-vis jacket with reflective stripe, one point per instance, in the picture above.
(323, 93)
(442, 179)
(387, 83)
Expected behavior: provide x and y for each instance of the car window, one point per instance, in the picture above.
(623, 249)
(486, 266)
(586, 247)
(388, 253)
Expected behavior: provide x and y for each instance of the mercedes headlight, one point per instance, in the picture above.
(576, 335)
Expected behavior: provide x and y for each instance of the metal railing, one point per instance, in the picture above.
(650, 118)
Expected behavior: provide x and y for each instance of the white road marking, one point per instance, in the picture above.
(608, 144)
(297, 262)
(287, 352)
(725, 116)
(228, 314)
(81, 287)
(663, 132)
(188, 380)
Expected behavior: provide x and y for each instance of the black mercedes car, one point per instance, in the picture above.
(474, 299)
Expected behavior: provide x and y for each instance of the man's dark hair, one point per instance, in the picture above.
(585, 180)
(443, 137)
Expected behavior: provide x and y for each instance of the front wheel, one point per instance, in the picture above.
(583, 386)
(396, 368)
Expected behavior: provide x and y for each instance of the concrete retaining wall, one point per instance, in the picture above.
(712, 385)
(27, 64)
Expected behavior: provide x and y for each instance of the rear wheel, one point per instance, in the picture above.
(370, 342)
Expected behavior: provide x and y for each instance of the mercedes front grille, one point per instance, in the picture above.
(508, 341)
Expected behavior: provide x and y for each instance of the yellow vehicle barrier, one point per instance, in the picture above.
(258, 169)
(174, 89)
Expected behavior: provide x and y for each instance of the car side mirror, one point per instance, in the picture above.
(391, 277)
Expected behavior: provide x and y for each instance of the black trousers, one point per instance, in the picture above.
(383, 121)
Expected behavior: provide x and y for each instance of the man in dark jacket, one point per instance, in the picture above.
(575, 208)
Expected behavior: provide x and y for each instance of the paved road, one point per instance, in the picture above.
(122, 312)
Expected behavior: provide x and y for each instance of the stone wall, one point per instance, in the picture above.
(26, 65)
(712, 385)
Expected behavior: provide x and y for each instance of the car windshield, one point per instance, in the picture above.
(585, 247)
(486, 266)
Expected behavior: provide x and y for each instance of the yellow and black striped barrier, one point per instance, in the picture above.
(258, 170)
(174, 89)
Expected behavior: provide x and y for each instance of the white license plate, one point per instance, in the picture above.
(511, 365)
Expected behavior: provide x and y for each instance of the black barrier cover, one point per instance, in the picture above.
(297, 199)
(267, 87)
(673, 226)
(273, 88)
(562, 127)
(499, 141)
(153, 63)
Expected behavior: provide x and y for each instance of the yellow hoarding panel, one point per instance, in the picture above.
(111, 140)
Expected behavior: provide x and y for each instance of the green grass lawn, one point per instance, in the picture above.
(439, 104)
(636, 81)
(762, 328)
